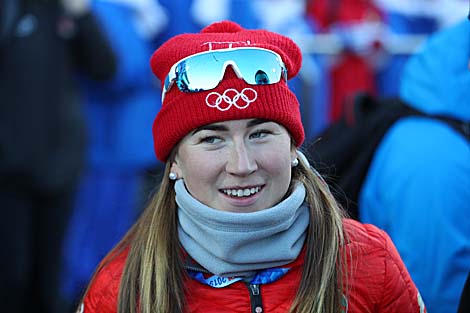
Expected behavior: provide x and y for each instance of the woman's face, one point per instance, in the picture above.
(236, 166)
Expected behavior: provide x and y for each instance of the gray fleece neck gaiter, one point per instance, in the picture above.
(238, 244)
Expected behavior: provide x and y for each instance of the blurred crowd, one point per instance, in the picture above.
(93, 109)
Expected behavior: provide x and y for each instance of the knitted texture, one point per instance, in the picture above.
(183, 112)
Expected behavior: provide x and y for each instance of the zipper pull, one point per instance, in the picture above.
(255, 299)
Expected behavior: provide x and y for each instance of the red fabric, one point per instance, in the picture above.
(379, 282)
(183, 112)
(349, 75)
(328, 12)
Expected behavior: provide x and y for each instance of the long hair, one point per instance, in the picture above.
(324, 279)
(153, 276)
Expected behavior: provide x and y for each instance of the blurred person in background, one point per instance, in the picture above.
(353, 26)
(42, 139)
(418, 185)
(119, 114)
(369, 41)
(406, 25)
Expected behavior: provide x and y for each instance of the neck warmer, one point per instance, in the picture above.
(238, 244)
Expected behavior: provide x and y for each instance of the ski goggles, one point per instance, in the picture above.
(204, 71)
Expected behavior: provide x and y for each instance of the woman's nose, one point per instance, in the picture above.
(241, 161)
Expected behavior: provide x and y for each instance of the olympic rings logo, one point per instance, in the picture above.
(231, 97)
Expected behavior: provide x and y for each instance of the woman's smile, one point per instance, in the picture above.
(242, 192)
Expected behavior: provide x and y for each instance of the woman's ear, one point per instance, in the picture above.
(175, 169)
(293, 153)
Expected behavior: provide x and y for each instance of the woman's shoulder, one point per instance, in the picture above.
(370, 251)
(369, 245)
(377, 272)
(365, 236)
(103, 291)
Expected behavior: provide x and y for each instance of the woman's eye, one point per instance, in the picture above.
(210, 140)
(260, 134)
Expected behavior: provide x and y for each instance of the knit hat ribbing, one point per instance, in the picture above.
(183, 112)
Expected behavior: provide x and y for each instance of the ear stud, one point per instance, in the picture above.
(295, 162)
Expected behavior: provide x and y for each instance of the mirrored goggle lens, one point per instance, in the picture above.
(206, 70)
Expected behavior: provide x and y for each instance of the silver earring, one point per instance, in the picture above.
(295, 162)
(172, 176)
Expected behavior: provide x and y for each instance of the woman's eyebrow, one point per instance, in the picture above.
(256, 121)
(214, 127)
(219, 127)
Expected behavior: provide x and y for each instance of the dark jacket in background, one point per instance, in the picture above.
(41, 126)
(42, 142)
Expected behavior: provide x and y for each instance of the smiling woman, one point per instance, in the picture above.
(241, 222)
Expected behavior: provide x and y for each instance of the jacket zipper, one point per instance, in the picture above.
(254, 289)
(196, 268)
(255, 298)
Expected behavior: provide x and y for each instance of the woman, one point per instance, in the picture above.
(241, 221)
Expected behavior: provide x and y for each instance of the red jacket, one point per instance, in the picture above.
(379, 282)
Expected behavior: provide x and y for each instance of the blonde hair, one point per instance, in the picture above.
(153, 276)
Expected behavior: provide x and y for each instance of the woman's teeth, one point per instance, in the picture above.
(241, 192)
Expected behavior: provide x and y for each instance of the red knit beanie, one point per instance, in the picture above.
(183, 112)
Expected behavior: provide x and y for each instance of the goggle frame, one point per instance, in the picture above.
(274, 71)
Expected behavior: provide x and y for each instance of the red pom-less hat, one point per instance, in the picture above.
(183, 112)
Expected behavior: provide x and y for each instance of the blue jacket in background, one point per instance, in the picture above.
(418, 185)
(119, 116)
(120, 113)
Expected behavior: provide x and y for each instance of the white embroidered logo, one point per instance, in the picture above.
(231, 97)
